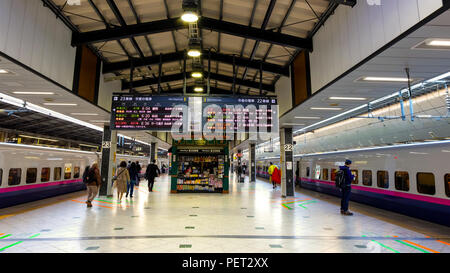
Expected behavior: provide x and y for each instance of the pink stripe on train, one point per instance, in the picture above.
(391, 193)
(33, 186)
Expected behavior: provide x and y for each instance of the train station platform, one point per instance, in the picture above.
(252, 218)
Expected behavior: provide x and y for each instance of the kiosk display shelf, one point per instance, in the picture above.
(200, 173)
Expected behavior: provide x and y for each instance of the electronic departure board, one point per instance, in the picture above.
(145, 112)
(246, 112)
(154, 113)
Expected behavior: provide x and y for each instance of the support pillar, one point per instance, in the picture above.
(252, 163)
(108, 163)
(286, 162)
(154, 151)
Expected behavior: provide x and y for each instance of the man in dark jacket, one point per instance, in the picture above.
(346, 188)
(150, 174)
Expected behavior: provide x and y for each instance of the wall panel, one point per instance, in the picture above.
(31, 34)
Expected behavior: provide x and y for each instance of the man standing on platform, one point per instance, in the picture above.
(150, 174)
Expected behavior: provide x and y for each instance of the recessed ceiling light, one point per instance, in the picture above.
(385, 79)
(308, 117)
(439, 42)
(4, 71)
(198, 89)
(346, 98)
(60, 104)
(325, 108)
(84, 114)
(32, 93)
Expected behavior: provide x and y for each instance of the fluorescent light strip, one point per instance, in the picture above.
(32, 93)
(346, 98)
(59, 104)
(84, 114)
(325, 108)
(52, 140)
(440, 77)
(4, 71)
(308, 117)
(439, 43)
(384, 79)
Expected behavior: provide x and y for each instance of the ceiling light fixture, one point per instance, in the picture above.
(385, 79)
(59, 104)
(41, 138)
(4, 71)
(439, 42)
(308, 117)
(193, 52)
(197, 74)
(32, 93)
(346, 98)
(189, 17)
(84, 114)
(198, 89)
(325, 108)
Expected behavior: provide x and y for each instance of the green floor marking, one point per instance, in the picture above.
(406, 244)
(5, 236)
(185, 246)
(284, 205)
(16, 243)
(107, 201)
(383, 245)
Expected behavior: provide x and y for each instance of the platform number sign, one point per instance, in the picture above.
(288, 147)
(106, 144)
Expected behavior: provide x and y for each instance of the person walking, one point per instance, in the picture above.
(134, 176)
(93, 181)
(270, 171)
(150, 174)
(122, 178)
(346, 187)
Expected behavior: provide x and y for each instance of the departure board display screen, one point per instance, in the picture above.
(241, 113)
(145, 112)
(189, 113)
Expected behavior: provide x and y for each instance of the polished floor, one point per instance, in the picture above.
(252, 218)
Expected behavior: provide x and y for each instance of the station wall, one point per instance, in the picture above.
(351, 35)
(31, 34)
(283, 90)
(105, 91)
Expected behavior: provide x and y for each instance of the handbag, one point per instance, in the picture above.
(116, 176)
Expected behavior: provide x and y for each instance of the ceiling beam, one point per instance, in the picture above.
(206, 23)
(213, 76)
(178, 56)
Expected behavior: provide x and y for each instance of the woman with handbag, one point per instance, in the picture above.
(122, 178)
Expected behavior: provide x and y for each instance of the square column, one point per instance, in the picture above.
(108, 163)
(153, 151)
(286, 162)
(252, 163)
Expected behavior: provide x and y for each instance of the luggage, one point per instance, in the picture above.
(340, 179)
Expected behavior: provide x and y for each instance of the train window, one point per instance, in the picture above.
(383, 179)
(402, 181)
(325, 174)
(14, 176)
(333, 174)
(57, 173)
(45, 174)
(76, 172)
(367, 178)
(31, 175)
(425, 183)
(307, 171)
(1, 176)
(447, 184)
(67, 171)
(356, 179)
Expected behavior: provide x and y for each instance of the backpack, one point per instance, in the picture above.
(340, 179)
(85, 174)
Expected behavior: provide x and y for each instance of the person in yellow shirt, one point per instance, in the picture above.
(270, 171)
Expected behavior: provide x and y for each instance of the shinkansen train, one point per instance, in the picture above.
(412, 179)
(29, 173)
